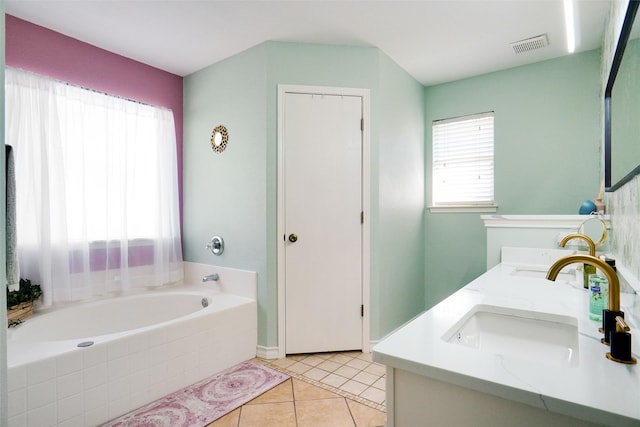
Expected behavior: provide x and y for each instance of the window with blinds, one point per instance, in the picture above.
(463, 163)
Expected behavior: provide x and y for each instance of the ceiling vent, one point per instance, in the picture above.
(533, 43)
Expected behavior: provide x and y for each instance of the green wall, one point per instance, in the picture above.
(234, 194)
(547, 161)
(397, 275)
(547, 155)
(225, 193)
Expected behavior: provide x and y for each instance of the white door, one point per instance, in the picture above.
(322, 144)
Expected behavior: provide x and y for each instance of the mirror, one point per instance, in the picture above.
(219, 139)
(594, 228)
(622, 103)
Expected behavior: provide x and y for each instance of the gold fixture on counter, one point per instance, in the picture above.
(621, 325)
(621, 344)
(592, 246)
(614, 327)
(587, 268)
(609, 273)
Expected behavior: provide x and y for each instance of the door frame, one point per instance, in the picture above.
(283, 89)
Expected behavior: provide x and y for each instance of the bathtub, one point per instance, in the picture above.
(87, 363)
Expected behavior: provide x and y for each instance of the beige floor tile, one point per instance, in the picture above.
(346, 371)
(229, 420)
(280, 393)
(353, 387)
(358, 364)
(352, 353)
(328, 368)
(297, 357)
(366, 378)
(376, 369)
(283, 363)
(324, 356)
(313, 360)
(324, 413)
(334, 380)
(365, 416)
(306, 391)
(373, 394)
(316, 374)
(366, 356)
(341, 358)
(328, 365)
(380, 384)
(268, 415)
(299, 367)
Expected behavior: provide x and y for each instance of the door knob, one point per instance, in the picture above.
(293, 238)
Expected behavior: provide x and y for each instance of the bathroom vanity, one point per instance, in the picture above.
(510, 348)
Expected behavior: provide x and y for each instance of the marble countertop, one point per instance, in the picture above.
(597, 389)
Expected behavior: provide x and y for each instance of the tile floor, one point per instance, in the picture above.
(296, 403)
(326, 389)
(350, 374)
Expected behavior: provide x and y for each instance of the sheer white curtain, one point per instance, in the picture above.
(96, 189)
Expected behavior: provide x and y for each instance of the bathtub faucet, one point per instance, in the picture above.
(213, 277)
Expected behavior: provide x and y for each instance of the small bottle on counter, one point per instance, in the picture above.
(598, 296)
(588, 271)
(599, 292)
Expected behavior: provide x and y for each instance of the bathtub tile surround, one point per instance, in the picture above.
(207, 400)
(232, 280)
(53, 383)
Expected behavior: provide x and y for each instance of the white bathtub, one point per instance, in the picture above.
(144, 346)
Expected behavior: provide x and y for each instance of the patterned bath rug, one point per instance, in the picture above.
(205, 401)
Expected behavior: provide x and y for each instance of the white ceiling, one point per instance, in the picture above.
(435, 41)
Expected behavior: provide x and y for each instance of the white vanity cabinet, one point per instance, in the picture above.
(434, 382)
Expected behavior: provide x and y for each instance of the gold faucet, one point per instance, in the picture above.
(587, 270)
(592, 246)
(615, 329)
(610, 274)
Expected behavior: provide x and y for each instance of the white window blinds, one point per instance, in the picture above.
(463, 161)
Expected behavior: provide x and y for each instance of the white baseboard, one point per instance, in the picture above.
(268, 353)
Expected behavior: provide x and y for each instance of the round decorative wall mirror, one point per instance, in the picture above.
(596, 229)
(219, 139)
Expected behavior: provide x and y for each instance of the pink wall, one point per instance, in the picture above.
(42, 51)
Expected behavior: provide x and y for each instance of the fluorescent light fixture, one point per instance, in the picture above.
(569, 25)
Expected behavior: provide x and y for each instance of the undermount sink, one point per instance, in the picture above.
(567, 275)
(543, 337)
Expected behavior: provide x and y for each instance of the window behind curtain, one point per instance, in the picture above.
(96, 184)
(463, 163)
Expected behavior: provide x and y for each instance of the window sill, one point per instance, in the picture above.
(463, 209)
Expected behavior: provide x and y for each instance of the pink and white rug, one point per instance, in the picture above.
(205, 401)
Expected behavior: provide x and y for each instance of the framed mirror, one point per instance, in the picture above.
(596, 229)
(219, 139)
(621, 106)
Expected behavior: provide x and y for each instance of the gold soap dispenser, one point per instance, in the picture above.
(588, 269)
